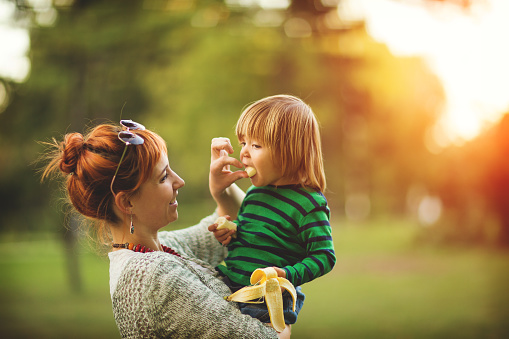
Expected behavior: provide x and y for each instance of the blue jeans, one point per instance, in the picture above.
(260, 311)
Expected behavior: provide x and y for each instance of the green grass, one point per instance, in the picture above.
(384, 285)
(36, 298)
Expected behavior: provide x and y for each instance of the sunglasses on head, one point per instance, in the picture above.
(129, 138)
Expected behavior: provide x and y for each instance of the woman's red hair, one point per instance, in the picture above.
(89, 163)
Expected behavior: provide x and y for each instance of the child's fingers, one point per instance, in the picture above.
(227, 241)
(280, 272)
(222, 234)
(226, 237)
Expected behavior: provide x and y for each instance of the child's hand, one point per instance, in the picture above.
(224, 236)
(280, 272)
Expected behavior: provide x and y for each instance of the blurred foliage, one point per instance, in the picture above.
(186, 69)
(473, 183)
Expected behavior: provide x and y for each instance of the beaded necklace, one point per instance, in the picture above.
(143, 249)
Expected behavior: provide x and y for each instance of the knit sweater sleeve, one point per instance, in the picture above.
(196, 241)
(165, 299)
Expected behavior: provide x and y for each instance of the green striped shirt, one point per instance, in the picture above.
(287, 227)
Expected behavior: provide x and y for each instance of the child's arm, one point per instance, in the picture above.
(316, 234)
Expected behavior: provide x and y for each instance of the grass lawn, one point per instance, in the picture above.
(383, 286)
(37, 301)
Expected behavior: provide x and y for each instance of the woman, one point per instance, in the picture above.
(162, 284)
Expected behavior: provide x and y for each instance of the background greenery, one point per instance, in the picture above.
(383, 286)
(186, 69)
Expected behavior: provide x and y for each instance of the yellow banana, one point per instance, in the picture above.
(222, 222)
(250, 171)
(266, 284)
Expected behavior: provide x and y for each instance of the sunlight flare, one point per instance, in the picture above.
(466, 50)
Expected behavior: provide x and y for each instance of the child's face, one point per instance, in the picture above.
(255, 154)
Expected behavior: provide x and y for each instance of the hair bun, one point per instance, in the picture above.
(73, 146)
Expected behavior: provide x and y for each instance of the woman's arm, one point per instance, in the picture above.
(196, 241)
(187, 308)
(223, 189)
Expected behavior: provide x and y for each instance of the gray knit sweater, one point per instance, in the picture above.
(159, 295)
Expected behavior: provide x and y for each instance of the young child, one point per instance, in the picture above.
(283, 221)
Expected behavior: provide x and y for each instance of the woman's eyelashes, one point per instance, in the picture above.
(163, 179)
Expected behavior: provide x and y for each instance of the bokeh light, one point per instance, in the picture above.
(465, 49)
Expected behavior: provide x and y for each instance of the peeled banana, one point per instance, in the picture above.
(267, 285)
(250, 171)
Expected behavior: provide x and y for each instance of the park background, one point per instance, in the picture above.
(417, 168)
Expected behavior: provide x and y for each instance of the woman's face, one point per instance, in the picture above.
(155, 204)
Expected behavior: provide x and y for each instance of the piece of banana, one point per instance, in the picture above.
(267, 285)
(250, 171)
(222, 222)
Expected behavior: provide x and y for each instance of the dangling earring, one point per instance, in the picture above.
(131, 229)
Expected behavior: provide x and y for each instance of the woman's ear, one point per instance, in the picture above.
(123, 203)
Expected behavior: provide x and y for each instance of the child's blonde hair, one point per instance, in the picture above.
(288, 126)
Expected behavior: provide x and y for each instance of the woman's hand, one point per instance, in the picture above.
(221, 177)
(287, 332)
(227, 195)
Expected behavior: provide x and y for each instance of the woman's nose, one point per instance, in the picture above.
(179, 182)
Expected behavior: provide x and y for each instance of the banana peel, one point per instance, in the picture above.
(267, 285)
